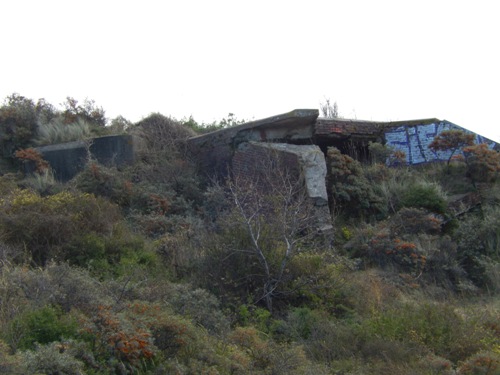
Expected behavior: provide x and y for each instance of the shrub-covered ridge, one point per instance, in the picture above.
(152, 269)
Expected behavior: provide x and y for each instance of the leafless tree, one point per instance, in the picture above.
(272, 205)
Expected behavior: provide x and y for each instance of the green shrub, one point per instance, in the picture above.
(236, 277)
(451, 177)
(171, 189)
(389, 356)
(226, 122)
(443, 266)
(386, 246)
(257, 317)
(386, 155)
(349, 188)
(379, 153)
(119, 125)
(126, 253)
(478, 238)
(43, 326)
(162, 152)
(111, 255)
(394, 185)
(87, 251)
(106, 182)
(200, 306)
(230, 275)
(18, 124)
(425, 195)
(318, 281)
(301, 322)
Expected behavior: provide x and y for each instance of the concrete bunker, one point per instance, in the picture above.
(68, 159)
(302, 133)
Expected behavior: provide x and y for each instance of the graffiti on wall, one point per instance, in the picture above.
(414, 141)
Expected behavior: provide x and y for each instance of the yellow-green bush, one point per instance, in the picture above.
(44, 225)
(439, 328)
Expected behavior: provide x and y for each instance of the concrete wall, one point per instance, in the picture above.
(214, 151)
(68, 159)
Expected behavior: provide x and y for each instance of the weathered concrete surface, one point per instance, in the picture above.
(214, 151)
(286, 125)
(343, 128)
(68, 159)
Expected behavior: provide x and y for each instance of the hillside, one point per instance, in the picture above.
(158, 268)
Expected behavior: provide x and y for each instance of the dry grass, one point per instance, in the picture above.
(58, 132)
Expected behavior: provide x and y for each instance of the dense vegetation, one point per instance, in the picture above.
(153, 269)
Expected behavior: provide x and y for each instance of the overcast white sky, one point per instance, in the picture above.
(380, 60)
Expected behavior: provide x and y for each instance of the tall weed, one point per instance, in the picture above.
(57, 131)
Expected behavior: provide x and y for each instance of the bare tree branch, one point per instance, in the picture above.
(272, 205)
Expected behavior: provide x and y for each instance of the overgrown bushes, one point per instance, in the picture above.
(45, 226)
(145, 270)
(349, 188)
(24, 123)
(18, 123)
(438, 328)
